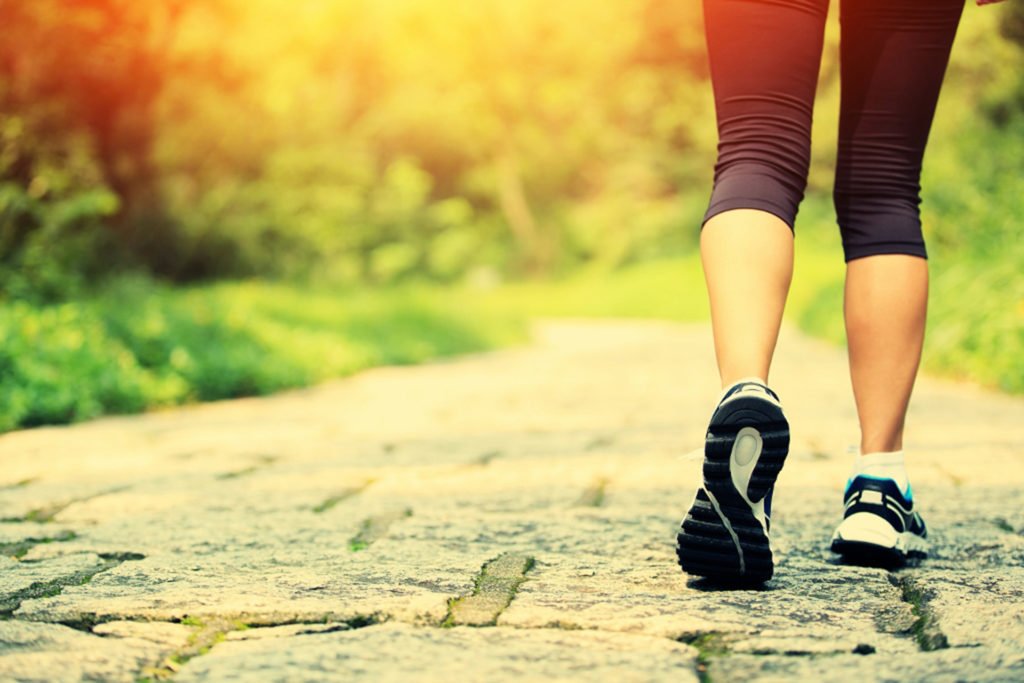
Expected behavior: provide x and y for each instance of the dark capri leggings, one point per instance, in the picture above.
(765, 56)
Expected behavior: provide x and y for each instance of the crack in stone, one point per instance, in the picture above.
(926, 628)
(714, 645)
(598, 443)
(19, 484)
(496, 586)
(47, 514)
(341, 496)
(262, 462)
(859, 649)
(206, 635)
(336, 623)
(487, 458)
(41, 515)
(10, 602)
(709, 645)
(593, 496)
(209, 633)
(1003, 525)
(17, 549)
(256, 621)
(376, 527)
(120, 557)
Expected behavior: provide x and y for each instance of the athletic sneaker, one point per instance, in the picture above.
(880, 526)
(725, 534)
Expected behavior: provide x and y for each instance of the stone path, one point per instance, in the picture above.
(496, 517)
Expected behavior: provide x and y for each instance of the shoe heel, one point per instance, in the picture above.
(721, 538)
(771, 425)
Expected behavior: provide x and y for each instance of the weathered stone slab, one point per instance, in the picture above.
(278, 585)
(263, 632)
(288, 514)
(173, 636)
(846, 603)
(50, 652)
(974, 606)
(610, 568)
(16, 576)
(495, 587)
(31, 532)
(41, 502)
(974, 526)
(397, 652)
(801, 643)
(943, 666)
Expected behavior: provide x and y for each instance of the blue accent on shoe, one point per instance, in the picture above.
(880, 497)
(908, 495)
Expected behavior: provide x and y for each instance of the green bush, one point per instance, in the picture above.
(139, 345)
(59, 364)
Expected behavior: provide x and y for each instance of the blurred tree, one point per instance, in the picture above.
(1012, 27)
(1011, 104)
(365, 141)
(80, 77)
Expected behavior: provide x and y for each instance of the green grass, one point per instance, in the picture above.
(975, 317)
(671, 289)
(139, 345)
(975, 326)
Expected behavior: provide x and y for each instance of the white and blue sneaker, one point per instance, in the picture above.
(724, 536)
(880, 526)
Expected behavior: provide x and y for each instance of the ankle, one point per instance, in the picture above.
(730, 381)
(887, 440)
(883, 465)
(737, 386)
(891, 445)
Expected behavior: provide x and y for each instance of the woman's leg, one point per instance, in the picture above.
(885, 301)
(765, 57)
(893, 59)
(748, 263)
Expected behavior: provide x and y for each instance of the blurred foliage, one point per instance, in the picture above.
(372, 142)
(348, 140)
(340, 143)
(975, 328)
(137, 345)
(78, 85)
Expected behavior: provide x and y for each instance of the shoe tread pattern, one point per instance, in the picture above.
(704, 545)
(729, 419)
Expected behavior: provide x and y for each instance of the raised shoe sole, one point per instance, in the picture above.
(722, 537)
(867, 539)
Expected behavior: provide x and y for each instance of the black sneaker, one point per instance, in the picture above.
(880, 526)
(724, 536)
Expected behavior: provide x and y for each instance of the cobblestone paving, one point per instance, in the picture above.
(496, 517)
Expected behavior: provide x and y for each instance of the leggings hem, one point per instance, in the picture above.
(759, 204)
(853, 253)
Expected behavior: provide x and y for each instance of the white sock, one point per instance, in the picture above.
(745, 380)
(889, 465)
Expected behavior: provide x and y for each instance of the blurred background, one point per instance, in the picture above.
(213, 198)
